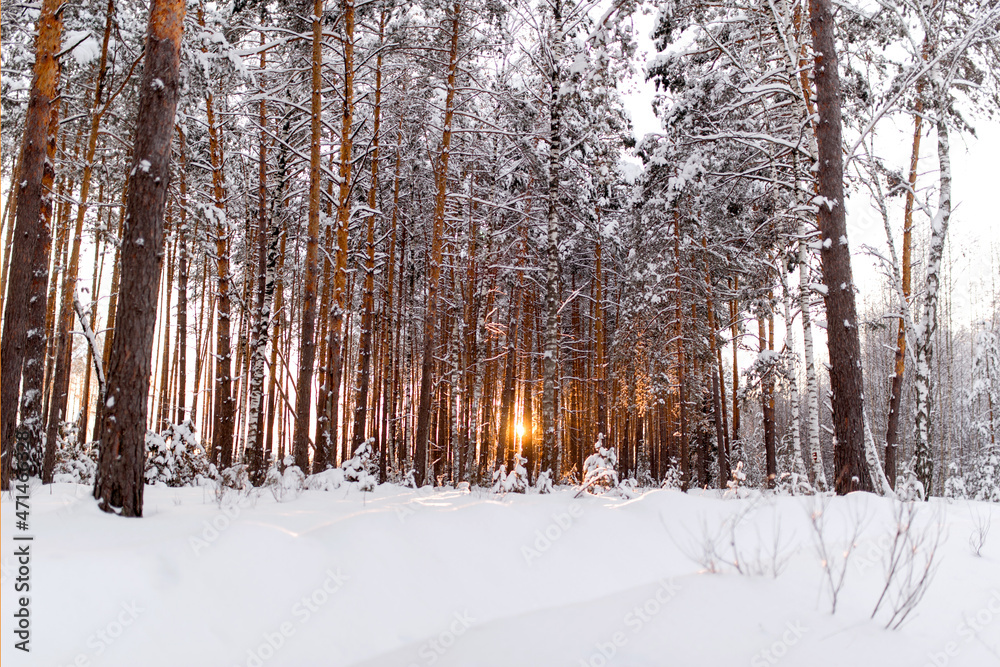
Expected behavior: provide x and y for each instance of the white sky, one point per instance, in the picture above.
(974, 233)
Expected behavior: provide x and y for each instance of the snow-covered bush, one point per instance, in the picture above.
(516, 481)
(672, 478)
(794, 484)
(983, 480)
(544, 482)
(287, 485)
(328, 480)
(176, 458)
(908, 487)
(76, 462)
(600, 469)
(362, 468)
(954, 485)
(738, 481)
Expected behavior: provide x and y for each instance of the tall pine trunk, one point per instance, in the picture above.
(368, 298)
(899, 361)
(307, 349)
(119, 480)
(23, 345)
(437, 241)
(846, 383)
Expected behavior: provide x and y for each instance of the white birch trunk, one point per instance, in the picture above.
(923, 381)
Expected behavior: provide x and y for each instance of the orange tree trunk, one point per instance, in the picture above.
(24, 308)
(119, 483)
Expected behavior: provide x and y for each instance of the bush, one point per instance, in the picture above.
(176, 458)
(516, 481)
(76, 462)
(600, 469)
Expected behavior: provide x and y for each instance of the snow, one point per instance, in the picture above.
(399, 577)
(86, 49)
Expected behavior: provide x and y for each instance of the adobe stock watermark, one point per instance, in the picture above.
(405, 510)
(551, 533)
(101, 640)
(211, 530)
(302, 611)
(434, 648)
(634, 620)
(874, 552)
(967, 630)
(779, 648)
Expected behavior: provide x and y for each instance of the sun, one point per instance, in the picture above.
(520, 430)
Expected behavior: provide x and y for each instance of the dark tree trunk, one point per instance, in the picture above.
(850, 466)
(119, 484)
(434, 270)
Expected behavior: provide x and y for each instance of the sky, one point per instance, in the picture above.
(974, 233)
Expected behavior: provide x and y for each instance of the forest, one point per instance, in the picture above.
(422, 240)
(492, 333)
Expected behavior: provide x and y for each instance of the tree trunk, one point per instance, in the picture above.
(896, 389)
(23, 346)
(182, 290)
(119, 481)
(717, 378)
(63, 342)
(431, 315)
(846, 381)
(368, 298)
(307, 349)
(927, 327)
(550, 455)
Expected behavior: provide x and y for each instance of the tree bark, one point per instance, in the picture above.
(368, 298)
(434, 279)
(307, 350)
(119, 481)
(927, 327)
(23, 344)
(899, 365)
(846, 381)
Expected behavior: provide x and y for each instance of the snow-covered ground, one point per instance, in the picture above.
(398, 577)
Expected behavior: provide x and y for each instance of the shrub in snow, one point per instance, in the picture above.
(908, 487)
(672, 478)
(287, 485)
(176, 458)
(738, 481)
(328, 480)
(544, 482)
(516, 481)
(794, 484)
(954, 486)
(627, 488)
(361, 468)
(983, 480)
(75, 461)
(235, 477)
(600, 468)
